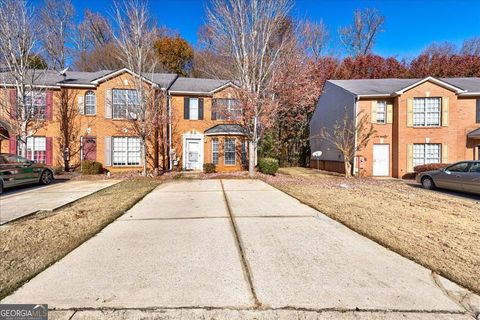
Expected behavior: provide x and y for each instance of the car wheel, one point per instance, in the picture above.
(46, 177)
(428, 183)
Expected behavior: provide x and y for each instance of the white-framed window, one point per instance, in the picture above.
(226, 109)
(37, 149)
(90, 103)
(36, 103)
(426, 153)
(193, 108)
(426, 112)
(230, 151)
(215, 151)
(125, 103)
(382, 112)
(126, 151)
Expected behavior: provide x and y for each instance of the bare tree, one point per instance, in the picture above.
(25, 107)
(359, 37)
(313, 38)
(57, 19)
(67, 116)
(349, 136)
(135, 40)
(253, 34)
(471, 47)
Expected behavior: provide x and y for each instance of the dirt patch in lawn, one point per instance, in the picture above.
(441, 231)
(29, 246)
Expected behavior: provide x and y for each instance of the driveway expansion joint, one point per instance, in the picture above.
(241, 250)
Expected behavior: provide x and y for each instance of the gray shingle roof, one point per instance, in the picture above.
(226, 129)
(474, 134)
(197, 84)
(390, 86)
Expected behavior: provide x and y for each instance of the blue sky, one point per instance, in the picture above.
(410, 24)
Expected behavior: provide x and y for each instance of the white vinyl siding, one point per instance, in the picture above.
(426, 153)
(37, 149)
(215, 151)
(230, 151)
(426, 112)
(126, 151)
(381, 112)
(90, 103)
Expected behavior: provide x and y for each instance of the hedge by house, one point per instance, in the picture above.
(268, 165)
(92, 167)
(209, 168)
(429, 167)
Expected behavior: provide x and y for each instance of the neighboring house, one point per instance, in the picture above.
(417, 121)
(202, 126)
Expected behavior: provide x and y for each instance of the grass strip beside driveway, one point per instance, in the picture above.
(29, 246)
(436, 229)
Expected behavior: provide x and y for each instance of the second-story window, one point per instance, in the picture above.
(36, 103)
(426, 112)
(90, 103)
(193, 109)
(125, 103)
(381, 112)
(226, 109)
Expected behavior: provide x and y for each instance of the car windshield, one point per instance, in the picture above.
(475, 167)
(16, 159)
(458, 167)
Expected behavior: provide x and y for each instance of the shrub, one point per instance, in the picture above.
(209, 168)
(268, 165)
(91, 167)
(429, 167)
(57, 170)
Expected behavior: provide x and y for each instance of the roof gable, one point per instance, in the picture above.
(436, 81)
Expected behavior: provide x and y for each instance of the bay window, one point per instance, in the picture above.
(230, 151)
(215, 151)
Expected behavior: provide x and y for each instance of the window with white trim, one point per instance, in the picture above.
(125, 103)
(126, 151)
(215, 151)
(193, 108)
(382, 112)
(426, 153)
(426, 112)
(223, 109)
(229, 151)
(90, 103)
(36, 103)
(37, 149)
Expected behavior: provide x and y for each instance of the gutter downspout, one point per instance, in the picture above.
(169, 126)
(355, 144)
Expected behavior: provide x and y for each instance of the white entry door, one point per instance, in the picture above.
(381, 160)
(193, 155)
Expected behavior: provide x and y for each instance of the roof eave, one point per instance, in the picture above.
(434, 80)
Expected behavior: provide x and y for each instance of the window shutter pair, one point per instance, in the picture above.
(108, 104)
(81, 104)
(186, 108)
(49, 107)
(49, 151)
(108, 151)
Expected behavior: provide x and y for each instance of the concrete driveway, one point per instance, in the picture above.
(17, 203)
(235, 249)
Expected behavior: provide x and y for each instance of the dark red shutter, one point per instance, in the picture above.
(48, 111)
(13, 103)
(49, 155)
(13, 145)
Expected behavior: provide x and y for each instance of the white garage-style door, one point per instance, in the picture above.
(381, 160)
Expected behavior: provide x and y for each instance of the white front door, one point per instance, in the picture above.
(193, 154)
(381, 160)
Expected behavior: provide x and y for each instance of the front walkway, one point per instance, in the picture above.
(233, 249)
(34, 198)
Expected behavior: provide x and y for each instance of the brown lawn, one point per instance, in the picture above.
(29, 246)
(438, 229)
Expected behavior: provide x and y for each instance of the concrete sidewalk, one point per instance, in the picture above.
(234, 249)
(26, 202)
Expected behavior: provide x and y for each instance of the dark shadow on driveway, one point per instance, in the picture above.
(458, 194)
(30, 187)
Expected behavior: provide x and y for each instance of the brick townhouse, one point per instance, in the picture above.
(417, 121)
(202, 129)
